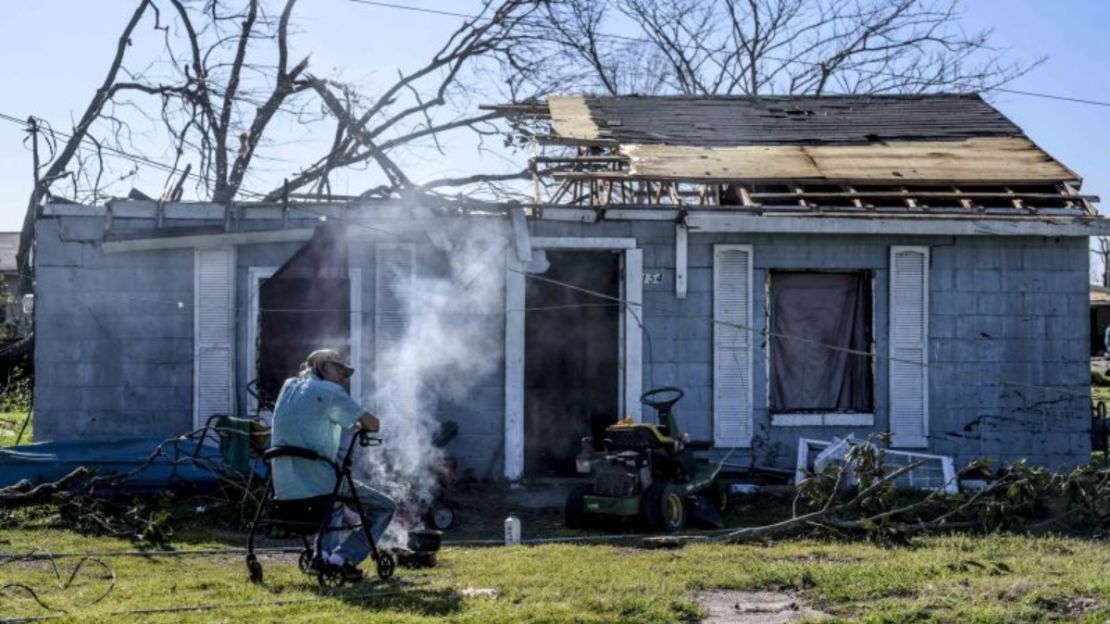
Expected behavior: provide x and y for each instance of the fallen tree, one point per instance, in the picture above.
(1017, 497)
(102, 504)
(860, 497)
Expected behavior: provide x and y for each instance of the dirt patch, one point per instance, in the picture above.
(1071, 608)
(761, 607)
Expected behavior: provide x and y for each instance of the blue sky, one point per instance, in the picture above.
(55, 53)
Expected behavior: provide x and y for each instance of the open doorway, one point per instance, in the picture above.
(571, 358)
(311, 302)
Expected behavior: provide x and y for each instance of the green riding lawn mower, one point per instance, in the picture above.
(646, 476)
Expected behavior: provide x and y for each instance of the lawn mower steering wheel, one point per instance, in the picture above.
(661, 399)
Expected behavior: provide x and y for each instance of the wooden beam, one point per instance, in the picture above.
(745, 196)
(856, 201)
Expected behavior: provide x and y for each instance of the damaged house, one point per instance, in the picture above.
(801, 267)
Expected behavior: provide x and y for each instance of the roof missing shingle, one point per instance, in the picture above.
(997, 160)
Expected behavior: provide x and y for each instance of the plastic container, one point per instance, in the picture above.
(512, 531)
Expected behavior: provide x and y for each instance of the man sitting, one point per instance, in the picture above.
(312, 412)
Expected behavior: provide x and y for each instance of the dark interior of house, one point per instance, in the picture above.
(571, 344)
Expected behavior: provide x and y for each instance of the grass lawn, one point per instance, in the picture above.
(955, 578)
(943, 579)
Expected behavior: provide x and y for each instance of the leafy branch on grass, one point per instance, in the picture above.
(91, 503)
(1017, 497)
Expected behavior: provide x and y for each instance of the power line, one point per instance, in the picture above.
(870, 72)
(136, 158)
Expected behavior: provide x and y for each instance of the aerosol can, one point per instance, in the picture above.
(512, 531)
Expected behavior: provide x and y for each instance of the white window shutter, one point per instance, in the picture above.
(393, 269)
(732, 345)
(909, 339)
(213, 332)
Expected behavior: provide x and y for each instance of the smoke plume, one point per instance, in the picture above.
(450, 344)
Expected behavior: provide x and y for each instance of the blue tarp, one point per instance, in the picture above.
(50, 461)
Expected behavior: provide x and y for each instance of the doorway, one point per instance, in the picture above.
(572, 358)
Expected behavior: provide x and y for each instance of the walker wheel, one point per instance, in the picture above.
(304, 562)
(255, 569)
(331, 577)
(386, 565)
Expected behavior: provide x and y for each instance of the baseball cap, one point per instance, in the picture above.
(329, 356)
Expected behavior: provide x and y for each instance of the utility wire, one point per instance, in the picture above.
(871, 72)
(136, 158)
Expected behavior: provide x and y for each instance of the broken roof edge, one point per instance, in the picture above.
(204, 210)
(716, 220)
(701, 221)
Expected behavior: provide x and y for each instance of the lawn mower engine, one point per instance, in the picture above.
(622, 474)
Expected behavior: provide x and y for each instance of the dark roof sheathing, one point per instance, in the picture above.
(728, 121)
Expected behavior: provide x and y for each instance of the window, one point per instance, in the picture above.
(817, 319)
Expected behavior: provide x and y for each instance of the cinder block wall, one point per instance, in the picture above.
(114, 348)
(1006, 314)
(113, 335)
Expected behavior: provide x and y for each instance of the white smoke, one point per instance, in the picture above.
(450, 346)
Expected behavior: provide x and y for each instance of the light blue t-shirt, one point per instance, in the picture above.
(310, 413)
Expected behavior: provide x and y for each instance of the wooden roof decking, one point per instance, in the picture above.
(915, 153)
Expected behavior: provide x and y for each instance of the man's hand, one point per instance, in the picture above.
(369, 422)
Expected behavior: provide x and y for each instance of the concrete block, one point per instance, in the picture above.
(660, 327)
(695, 373)
(76, 228)
(664, 374)
(660, 351)
(987, 280)
(942, 326)
(959, 303)
(979, 327)
(698, 255)
(1061, 327)
(693, 329)
(965, 280)
(941, 280)
(699, 280)
(51, 252)
(997, 304)
(694, 350)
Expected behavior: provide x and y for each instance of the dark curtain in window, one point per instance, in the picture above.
(808, 311)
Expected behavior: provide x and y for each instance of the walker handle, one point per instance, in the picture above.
(365, 439)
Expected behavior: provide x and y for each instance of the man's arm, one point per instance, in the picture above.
(369, 422)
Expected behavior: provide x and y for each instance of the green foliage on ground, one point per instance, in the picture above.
(10, 425)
